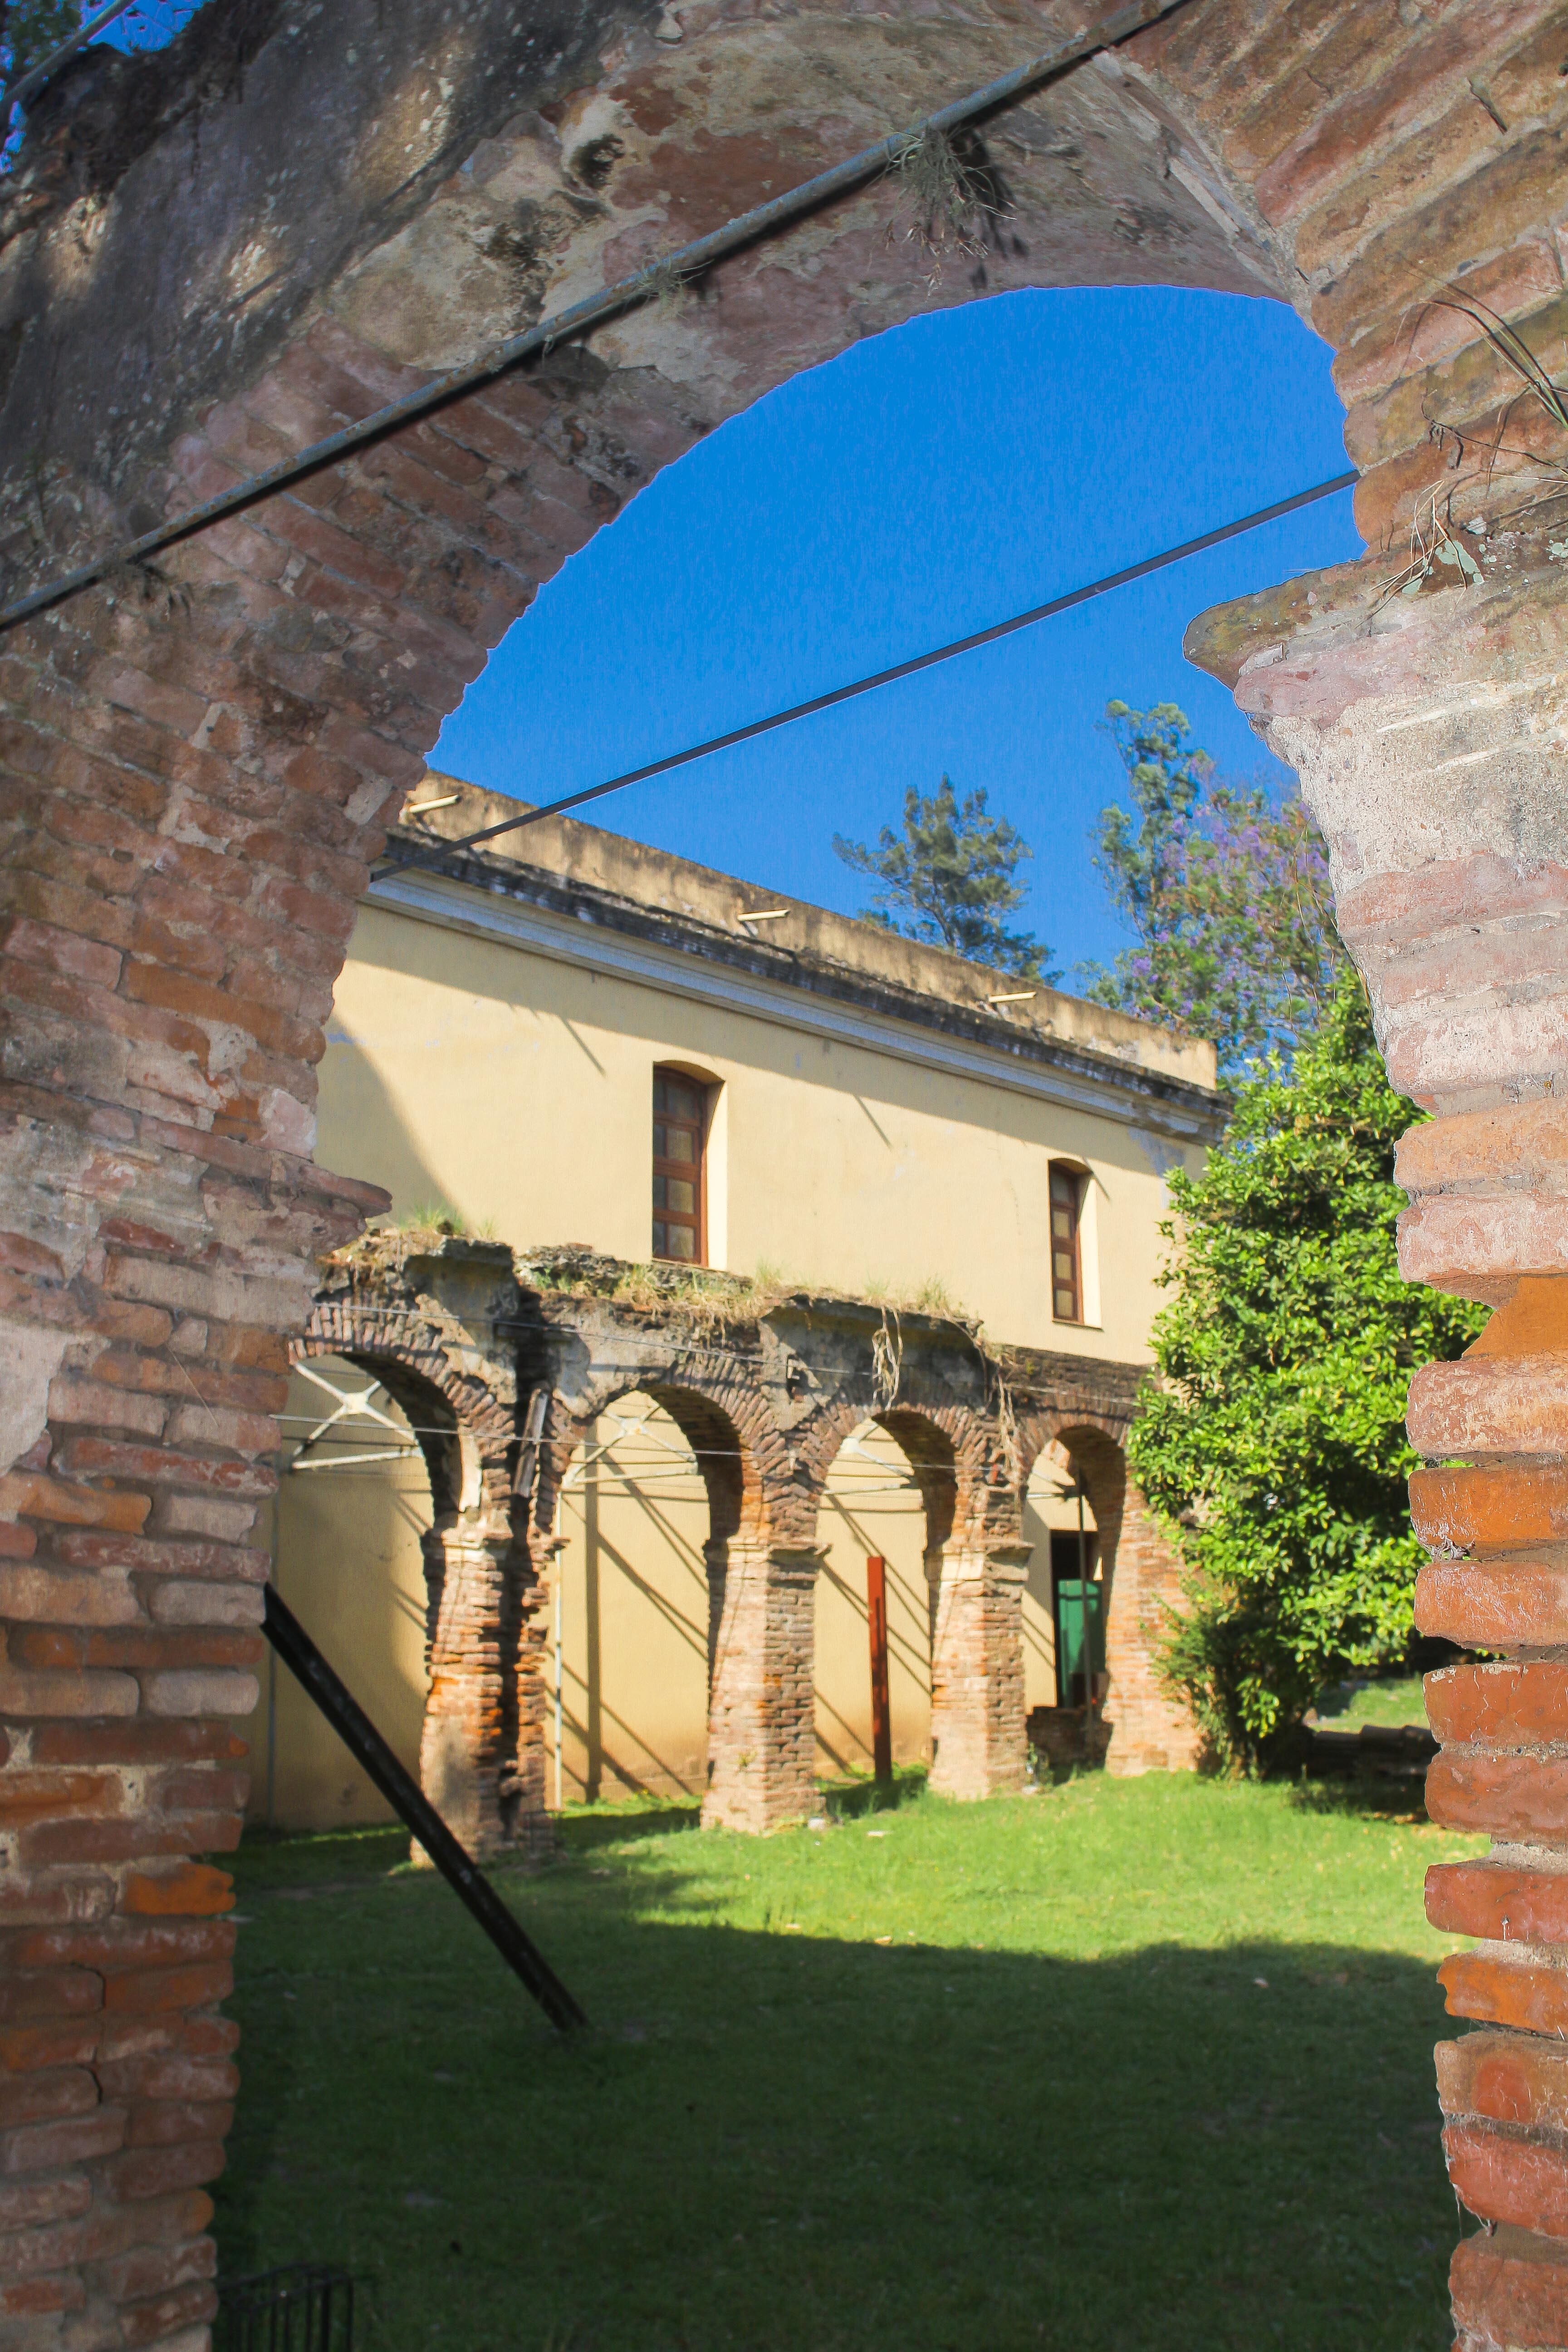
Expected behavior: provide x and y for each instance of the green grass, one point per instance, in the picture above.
(1395, 1700)
(940, 2079)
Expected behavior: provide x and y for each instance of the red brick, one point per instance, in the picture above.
(175, 2123)
(1505, 1993)
(1502, 2179)
(156, 2320)
(1511, 2288)
(1492, 1604)
(1489, 1508)
(141, 1989)
(1521, 1706)
(1492, 1899)
(139, 1741)
(46, 2148)
(195, 1888)
(45, 2094)
(1512, 1796)
(152, 2172)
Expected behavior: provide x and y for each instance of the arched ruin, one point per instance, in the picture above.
(209, 260)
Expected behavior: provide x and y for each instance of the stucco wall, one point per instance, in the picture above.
(516, 1090)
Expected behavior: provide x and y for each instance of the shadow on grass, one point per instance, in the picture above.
(777, 2143)
(584, 1827)
(848, 1800)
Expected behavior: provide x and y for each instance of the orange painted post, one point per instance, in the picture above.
(877, 1625)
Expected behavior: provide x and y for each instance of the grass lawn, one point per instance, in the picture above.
(1128, 2066)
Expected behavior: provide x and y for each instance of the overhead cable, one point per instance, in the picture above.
(687, 261)
(412, 852)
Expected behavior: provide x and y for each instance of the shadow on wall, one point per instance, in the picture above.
(363, 1133)
(768, 2140)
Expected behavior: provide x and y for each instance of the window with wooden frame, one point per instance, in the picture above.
(1067, 1249)
(679, 1135)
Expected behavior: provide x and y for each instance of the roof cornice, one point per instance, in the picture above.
(583, 924)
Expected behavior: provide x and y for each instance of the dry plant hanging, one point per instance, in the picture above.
(886, 1361)
(1433, 542)
(952, 193)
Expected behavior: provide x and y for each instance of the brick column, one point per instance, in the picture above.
(978, 1745)
(762, 1719)
(135, 1415)
(1149, 1730)
(1430, 737)
(462, 1741)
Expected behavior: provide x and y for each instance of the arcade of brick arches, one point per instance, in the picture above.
(212, 257)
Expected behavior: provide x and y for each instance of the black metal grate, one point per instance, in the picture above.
(303, 2307)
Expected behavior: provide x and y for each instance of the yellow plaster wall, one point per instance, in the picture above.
(515, 1089)
(349, 1564)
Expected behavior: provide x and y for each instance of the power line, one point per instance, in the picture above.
(412, 852)
(688, 261)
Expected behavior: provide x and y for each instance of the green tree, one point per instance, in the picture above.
(30, 29)
(1224, 889)
(950, 879)
(1274, 1446)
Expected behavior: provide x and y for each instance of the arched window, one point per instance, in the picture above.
(1067, 1246)
(681, 1103)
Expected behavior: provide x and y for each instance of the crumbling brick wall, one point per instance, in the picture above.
(208, 263)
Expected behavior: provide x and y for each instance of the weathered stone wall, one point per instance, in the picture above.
(210, 260)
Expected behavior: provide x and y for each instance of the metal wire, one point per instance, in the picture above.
(650, 283)
(410, 853)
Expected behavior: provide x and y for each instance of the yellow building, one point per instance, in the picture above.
(566, 1038)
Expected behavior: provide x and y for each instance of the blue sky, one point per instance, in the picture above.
(928, 482)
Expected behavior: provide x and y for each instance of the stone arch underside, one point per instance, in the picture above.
(207, 270)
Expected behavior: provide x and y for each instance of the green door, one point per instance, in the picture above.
(1070, 1610)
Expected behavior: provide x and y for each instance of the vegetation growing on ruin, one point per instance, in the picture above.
(1063, 2071)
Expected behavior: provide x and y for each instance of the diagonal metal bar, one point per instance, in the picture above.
(403, 1792)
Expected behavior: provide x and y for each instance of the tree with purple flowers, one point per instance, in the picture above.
(1224, 889)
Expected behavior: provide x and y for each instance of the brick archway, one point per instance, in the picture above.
(481, 1750)
(199, 765)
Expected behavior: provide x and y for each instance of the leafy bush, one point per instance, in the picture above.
(1274, 1446)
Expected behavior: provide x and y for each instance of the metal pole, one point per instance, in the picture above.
(452, 1859)
(877, 1626)
(560, 1576)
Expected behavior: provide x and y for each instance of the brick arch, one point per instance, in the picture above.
(740, 1454)
(199, 765)
(1097, 1446)
(481, 1746)
(948, 1447)
(407, 1351)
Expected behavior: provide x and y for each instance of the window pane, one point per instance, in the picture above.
(682, 1243)
(661, 1192)
(682, 1195)
(682, 1101)
(660, 1238)
(660, 1095)
(679, 1144)
(1065, 1306)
